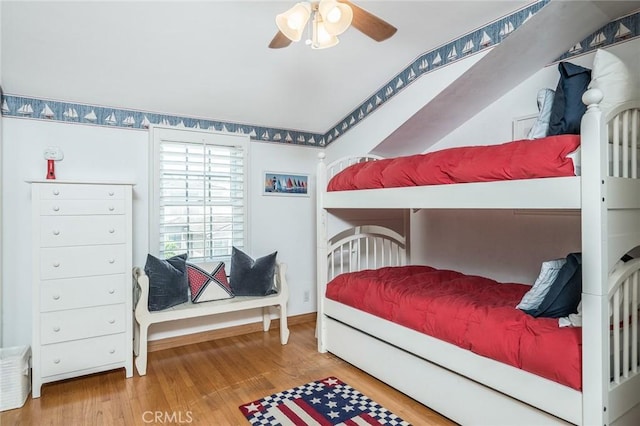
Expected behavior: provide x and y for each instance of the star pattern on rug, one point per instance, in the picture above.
(323, 402)
(252, 407)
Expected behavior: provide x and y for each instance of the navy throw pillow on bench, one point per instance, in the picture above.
(168, 281)
(252, 277)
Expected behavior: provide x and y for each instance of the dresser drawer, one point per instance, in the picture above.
(67, 357)
(81, 207)
(82, 261)
(58, 191)
(74, 324)
(56, 231)
(73, 293)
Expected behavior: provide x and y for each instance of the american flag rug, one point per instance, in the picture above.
(325, 402)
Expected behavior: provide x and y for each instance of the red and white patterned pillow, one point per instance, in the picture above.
(206, 286)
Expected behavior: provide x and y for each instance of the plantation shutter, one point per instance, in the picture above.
(201, 199)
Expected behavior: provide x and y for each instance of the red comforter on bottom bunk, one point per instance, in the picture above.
(472, 312)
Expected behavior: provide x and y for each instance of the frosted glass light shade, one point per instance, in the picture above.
(321, 37)
(292, 22)
(336, 16)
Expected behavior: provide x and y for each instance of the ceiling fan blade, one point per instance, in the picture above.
(370, 24)
(279, 41)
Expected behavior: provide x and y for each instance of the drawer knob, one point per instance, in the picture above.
(111, 208)
(112, 261)
(56, 297)
(56, 361)
(112, 321)
(56, 232)
(112, 351)
(111, 193)
(111, 291)
(111, 231)
(56, 264)
(56, 329)
(56, 192)
(56, 208)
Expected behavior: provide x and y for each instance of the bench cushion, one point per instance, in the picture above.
(206, 286)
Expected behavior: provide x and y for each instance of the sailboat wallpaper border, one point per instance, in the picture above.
(290, 184)
(621, 30)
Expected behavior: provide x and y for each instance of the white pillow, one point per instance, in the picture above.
(541, 125)
(548, 274)
(577, 161)
(573, 320)
(612, 76)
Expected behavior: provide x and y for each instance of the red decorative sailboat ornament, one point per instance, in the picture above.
(52, 154)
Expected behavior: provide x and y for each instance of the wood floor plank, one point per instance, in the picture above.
(204, 384)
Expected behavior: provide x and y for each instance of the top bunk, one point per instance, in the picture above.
(607, 155)
(592, 157)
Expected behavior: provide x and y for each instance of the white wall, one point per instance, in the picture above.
(283, 223)
(503, 245)
(367, 134)
(1, 297)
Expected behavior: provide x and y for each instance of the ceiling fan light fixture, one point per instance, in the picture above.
(322, 39)
(293, 22)
(336, 16)
(324, 21)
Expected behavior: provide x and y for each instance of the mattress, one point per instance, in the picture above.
(474, 313)
(523, 159)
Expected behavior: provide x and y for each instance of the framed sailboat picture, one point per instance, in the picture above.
(277, 183)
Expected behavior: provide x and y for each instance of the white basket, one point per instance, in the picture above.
(15, 377)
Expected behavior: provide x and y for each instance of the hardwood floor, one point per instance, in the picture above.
(204, 383)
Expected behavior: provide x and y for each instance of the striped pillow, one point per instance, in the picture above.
(548, 274)
(205, 286)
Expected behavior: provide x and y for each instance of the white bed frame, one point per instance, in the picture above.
(472, 389)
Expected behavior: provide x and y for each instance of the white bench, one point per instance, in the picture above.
(144, 318)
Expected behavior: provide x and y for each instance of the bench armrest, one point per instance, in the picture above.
(141, 291)
(281, 280)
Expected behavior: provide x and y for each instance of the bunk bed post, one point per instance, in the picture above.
(321, 255)
(406, 231)
(595, 298)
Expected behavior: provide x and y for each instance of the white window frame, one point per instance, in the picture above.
(157, 134)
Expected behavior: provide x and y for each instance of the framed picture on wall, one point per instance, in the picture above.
(278, 183)
(522, 125)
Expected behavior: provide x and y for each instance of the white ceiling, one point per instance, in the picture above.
(210, 59)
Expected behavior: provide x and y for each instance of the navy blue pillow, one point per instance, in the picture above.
(568, 108)
(252, 277)
(168, 281)
(565, 292)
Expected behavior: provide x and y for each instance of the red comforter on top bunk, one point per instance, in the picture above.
(524, 159)
(472, 312)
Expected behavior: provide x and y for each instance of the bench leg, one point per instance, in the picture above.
(284, 327)
(136, 338)
(141, 356)
(266, 318)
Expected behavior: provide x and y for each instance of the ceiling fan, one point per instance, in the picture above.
(327, 19)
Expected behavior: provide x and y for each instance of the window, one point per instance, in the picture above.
(199, 193)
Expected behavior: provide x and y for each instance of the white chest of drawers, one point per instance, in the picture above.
(82, 286)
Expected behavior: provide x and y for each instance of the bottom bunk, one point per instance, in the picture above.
(465, 385)
(464, 400)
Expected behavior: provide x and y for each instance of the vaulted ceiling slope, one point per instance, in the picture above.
(558, 26)
(210, 59)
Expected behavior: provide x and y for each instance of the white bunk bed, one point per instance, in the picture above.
(464, 386)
